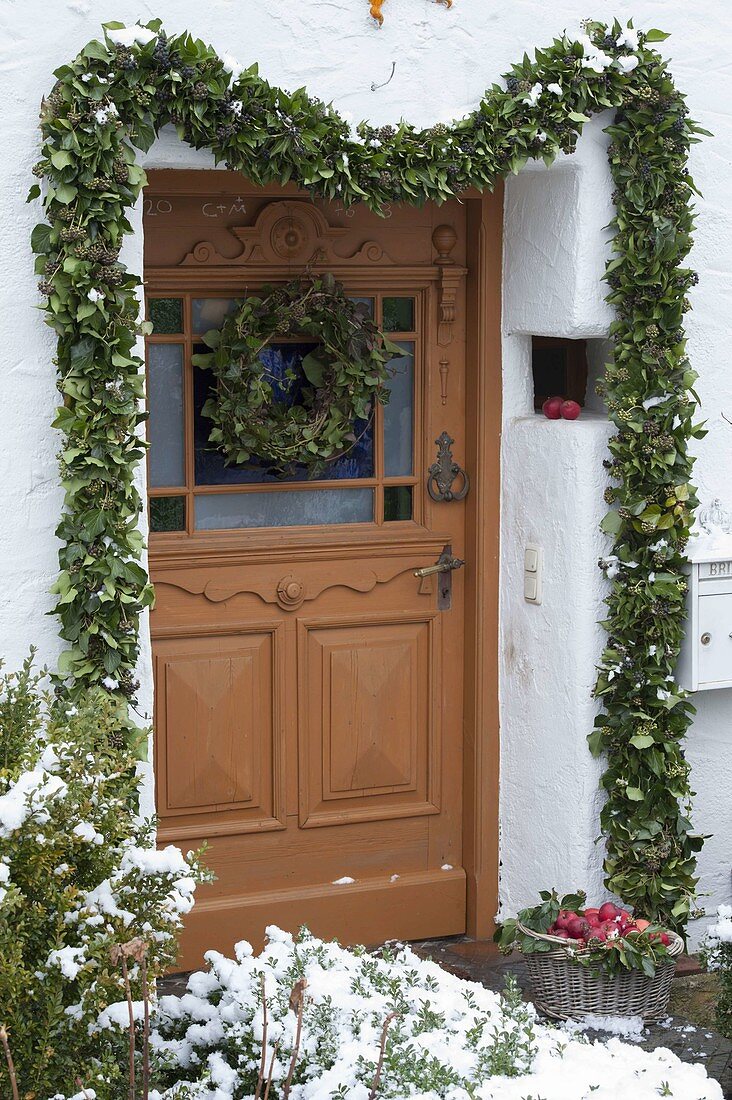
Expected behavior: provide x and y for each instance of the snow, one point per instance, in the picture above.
(87, 832)
(130, 36)
(722, 930)
(117, 1015)
(25, 798)
(69, 960)
(163, 861)
(451, 1038)
(627, 1027)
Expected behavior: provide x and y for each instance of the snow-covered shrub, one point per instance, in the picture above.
(440, 1033)
(717, 956)
(78, 874)
(449, 1039)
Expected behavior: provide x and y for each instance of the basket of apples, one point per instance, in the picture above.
(600, 960)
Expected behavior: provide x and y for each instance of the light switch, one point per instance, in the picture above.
(533, 561)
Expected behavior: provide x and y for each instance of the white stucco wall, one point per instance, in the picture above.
(552, 472)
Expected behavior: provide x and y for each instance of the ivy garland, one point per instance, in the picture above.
(253, 413)
(116, 95)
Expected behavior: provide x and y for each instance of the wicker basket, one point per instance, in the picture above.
(565, 990)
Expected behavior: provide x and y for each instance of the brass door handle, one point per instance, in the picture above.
(444, 565)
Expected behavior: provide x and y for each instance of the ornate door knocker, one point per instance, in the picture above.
(443, 473)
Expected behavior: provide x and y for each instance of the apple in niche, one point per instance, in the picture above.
(552, 408)
(569, 410)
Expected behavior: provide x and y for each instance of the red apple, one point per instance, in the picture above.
(663, 937)
(578, 928)
(592, 915)
(641, 925)
(608, 911)
(552, 408)
(569, 410)
(598, 933)
(561, 934)
(610, 928)
(565, 916)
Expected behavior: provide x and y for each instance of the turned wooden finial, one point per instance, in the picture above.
(444, 238)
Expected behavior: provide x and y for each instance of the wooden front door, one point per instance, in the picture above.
(309, 705)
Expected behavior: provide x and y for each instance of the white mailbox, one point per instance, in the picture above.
(706, 654)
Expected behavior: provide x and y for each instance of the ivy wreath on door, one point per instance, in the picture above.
(308, 417)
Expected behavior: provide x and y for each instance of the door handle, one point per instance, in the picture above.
(443, 565)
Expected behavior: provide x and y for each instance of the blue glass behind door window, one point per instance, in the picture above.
(210, 466)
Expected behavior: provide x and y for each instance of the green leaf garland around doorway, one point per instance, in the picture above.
(114, 97)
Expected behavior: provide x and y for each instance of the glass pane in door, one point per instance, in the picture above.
(398, 414)
(208, 313)
(287, 508)
(165, 426)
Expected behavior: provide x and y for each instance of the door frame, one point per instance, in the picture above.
(484, 391)
(480, 824)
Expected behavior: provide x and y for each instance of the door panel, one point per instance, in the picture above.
(309, 689)
(368, 744)
(217, 710)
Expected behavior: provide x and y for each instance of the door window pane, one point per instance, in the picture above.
(165, 402)
(167, 513)
(367, 304)
(211, 468)
(289, 508)
(207, 313)
(398, 414)
(166, 315)
(397, 502)
(398, 314)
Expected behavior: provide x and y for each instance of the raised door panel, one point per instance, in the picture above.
(369, 719)
(219, 744)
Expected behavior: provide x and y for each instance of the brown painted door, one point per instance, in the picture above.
(308, 687)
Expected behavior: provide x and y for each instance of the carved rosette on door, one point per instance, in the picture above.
(290, 593)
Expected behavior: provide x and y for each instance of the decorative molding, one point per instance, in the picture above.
(287, 231)
(450, 277)
(444, 374)
(288, 592)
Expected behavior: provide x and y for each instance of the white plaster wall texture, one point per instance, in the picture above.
(552, 472)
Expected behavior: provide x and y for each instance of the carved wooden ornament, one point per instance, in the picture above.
(288, 231)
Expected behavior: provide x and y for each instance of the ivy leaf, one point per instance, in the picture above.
(96, 50)
(612, 524)
(642, 741)
(312, 367)
(41, 238)
(61, 159)
(635, 794)
(65, 193)
(82, 354)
